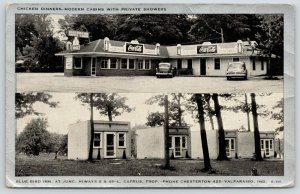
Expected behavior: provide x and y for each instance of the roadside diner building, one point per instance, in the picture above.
(105, 57)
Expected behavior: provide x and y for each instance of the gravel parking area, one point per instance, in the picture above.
(57, 82)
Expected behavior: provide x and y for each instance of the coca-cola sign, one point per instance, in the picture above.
(206, 49)
(135, 48)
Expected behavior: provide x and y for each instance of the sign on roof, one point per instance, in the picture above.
(202, 49)
(80, 34)
(135, 48)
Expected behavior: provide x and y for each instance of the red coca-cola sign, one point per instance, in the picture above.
(206, 49)
(135, 48)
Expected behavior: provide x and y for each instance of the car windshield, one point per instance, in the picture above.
(236, 66)
(164, 65)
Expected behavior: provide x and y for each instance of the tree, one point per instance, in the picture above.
(166, 132)
(258, 156)
(25, 101)
(278, 115)
(270, 38)
(175, 108)
(222, 143)
(198, 98)
(34, 138)
(57, 143)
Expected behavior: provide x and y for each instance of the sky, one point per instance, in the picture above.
(70, 111)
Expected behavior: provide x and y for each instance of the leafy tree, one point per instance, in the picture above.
(270, 37)
(278, 115)
(34, 138)
(25, 101)
(258, 156)
(175, 108)
(57, 143)
(222, 143)
(199, 100)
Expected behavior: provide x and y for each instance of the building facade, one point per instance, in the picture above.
(239, 144)
(111, 140)
(150, 142)
(106, 57)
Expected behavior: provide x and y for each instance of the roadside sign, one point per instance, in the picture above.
(80, 34)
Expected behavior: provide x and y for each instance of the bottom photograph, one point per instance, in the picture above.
(149, 134)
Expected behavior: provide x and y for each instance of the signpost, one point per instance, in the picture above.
(206, 49)
(135, 48)
(79, 34)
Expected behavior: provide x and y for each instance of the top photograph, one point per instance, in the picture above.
(192, 53)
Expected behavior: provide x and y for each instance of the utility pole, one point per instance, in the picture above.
(247, 111)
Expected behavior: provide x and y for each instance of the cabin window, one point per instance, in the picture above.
(253, 65)
(262, 146)
(184, 142)
(131, 64)
(271, 144)
(97, 140)
(77, 63)
(123, 63)
(104, 63)
(113, 63)
(235, 59)
(170, 142)
(217, 63)
(232, 144)
(121, 140)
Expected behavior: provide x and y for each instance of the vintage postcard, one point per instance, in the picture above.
(166, 95)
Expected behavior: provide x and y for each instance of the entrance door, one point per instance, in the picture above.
(110, 145)
(93, 66)
(202, 66)
(267, 148)
(177, 147)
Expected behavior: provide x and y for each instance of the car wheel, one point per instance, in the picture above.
(245, 78)
(228, 78)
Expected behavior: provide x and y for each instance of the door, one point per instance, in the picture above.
(177, 146)
(267, 148)
(93, 66)
(110, 145)
(202, 66)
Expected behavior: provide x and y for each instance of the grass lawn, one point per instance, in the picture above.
(45, 165)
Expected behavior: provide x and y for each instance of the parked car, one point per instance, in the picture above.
(165, 70)
(236, 70)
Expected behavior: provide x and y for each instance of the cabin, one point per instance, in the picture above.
(150, 142)
(112, 140)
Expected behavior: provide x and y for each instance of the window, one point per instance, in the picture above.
(131, 64)
(104, 63)
(170, 142)
(140, 64)
(232, 143)
(147, 64)
(253, 65)
(184, 142)
(262, 146)
(235, 59)
(121, 140)
(262, 65)
(77, 63)
(113, 63)
(123, 63)
(217, 63)
(97, 140)
(271, 144)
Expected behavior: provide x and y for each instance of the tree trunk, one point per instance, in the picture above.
(222, 143)
(207, 99)
(166, 129)
(256, 129)
(90, 158)
(109, 115)
(247, 111)
(199, 102)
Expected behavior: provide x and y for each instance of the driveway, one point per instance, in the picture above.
(57, 82)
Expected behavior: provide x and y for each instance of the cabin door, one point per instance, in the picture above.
(110, 145)
(178, 149)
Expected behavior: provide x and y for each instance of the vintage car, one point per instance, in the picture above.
(236, 70)
(165, 70)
